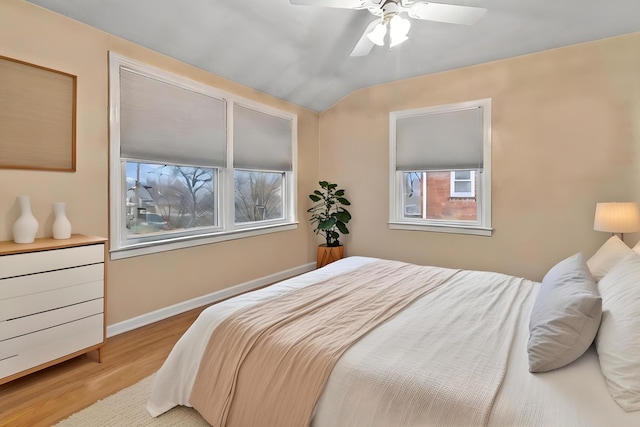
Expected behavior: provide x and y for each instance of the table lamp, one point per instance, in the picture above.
(617, 218)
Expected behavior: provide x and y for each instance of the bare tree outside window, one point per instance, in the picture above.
(258, 196)
(169, 197)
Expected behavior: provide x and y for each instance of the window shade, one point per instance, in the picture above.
(440, 141)
(169, 124)
(261, 141)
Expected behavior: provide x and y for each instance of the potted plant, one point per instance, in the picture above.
(330, 219)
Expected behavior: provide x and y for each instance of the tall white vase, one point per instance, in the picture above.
(61, 224)
(26, 227)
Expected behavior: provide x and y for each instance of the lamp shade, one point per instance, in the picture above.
(398, 29)
(378, 33)
(617, 217)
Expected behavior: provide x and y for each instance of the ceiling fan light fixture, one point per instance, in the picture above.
(390, 25)
(378, 33)
(398, 30)
(395, 41)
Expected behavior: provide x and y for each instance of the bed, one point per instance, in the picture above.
(457, 354)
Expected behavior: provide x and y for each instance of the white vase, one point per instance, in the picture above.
(61, 224)
(26, 227)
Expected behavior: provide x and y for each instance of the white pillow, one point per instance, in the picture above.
(636, 248)
(609, 254)
(565, 317)
(618, 339)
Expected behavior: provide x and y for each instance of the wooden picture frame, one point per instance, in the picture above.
(37, 117)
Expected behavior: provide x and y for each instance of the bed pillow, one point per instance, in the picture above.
(609, 254)
(618, 340)
(565, 316)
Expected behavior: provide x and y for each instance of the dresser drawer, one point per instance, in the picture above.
(37, 303)
(25, 352)
(37, 262)
(37, 283)
(48, 319)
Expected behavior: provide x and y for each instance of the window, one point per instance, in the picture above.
(168, 197)
(463, 184)
(440, 171)
(262, 161)
(192, 165)
(258, 196)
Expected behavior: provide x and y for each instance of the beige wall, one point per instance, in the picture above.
(566, 134)
(142, 284)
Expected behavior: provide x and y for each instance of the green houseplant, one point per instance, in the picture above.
(329, 218)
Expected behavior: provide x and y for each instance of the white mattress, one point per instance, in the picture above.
(575, 395)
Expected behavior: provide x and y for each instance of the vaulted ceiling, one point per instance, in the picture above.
(301, 53)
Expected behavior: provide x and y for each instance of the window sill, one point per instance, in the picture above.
(456, 229)
(171, 244)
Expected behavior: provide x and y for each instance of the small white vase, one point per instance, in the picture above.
(61, 224)
(26, 227)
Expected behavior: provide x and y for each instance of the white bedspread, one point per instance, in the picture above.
(370, 383)
(435, 364)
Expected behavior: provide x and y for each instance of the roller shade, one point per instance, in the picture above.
(170, 124)
(261, 141)
(440, 141)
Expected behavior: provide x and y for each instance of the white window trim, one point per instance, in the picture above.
(227, 229)
(462, 194)
(482, 227)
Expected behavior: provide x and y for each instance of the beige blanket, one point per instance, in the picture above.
(268, 364)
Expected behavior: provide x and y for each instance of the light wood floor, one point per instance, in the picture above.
(48, 396)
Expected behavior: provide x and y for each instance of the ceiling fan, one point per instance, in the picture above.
(391, 23)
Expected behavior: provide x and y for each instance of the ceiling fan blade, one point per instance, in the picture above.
(364, 45)
(449, 13)
(343, 4)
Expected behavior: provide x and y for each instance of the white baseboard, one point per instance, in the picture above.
(163, 313)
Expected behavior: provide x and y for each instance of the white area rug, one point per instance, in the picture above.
(126, 408)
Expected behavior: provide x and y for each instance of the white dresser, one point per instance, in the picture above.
(52, 302)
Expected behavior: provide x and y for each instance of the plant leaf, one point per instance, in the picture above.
(346, 212)
(343, 228)
(343, 216)
(327, 224)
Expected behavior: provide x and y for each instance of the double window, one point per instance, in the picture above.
(193, 165)
(440, 177)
